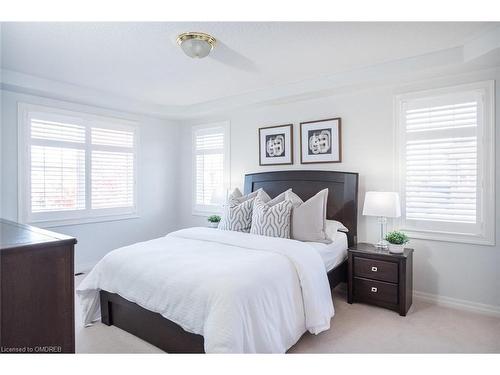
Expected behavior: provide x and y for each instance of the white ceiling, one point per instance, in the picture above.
(142, 61)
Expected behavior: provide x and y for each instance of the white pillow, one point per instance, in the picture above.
(271, 218)
(309, 218)
(332, 227)
(237, 211)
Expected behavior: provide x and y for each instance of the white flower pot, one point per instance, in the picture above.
(396, 249)
(213, 225)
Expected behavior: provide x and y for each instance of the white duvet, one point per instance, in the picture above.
(244, 293)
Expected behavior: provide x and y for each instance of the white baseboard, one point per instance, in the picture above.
(459, 304)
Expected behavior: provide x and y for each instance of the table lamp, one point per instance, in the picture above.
(383, 205)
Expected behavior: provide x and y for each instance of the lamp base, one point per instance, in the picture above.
(382, 244)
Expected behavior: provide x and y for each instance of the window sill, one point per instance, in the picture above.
(88, 220)
(206, 213)
(449, 237)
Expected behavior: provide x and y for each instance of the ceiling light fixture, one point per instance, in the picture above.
(195, 44)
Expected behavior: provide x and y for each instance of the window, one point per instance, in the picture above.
(75, 167)
(210, 167)
(446, 157)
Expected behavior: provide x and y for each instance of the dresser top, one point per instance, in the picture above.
(15, 235)
(368, 248)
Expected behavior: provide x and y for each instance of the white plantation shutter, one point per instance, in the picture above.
(210, 167)
(112, 168)
(209, 177)
(112, 179)
(57, 179)
(452, 116)
(441, 179)
(65, 131)
(57, 168)
(77, 166)
(442, 162)
(112, 137)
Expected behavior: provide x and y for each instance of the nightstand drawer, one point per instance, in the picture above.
(375, 291)
(376, 269)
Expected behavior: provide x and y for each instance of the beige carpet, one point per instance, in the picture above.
(355, 328)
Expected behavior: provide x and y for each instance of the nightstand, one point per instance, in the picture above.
(380, 278)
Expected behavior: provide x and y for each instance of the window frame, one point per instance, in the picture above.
(71, 217)
(204, 210)
(486, 166)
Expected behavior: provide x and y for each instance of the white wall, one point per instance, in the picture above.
(157, 176)
(453, 270)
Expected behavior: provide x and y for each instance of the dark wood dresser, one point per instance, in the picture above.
(36, 290)
(380, 278)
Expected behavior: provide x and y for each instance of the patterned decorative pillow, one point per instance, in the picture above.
(237, 212)
(272, 218)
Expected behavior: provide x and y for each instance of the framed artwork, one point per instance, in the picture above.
(276, 145)
(320, 141)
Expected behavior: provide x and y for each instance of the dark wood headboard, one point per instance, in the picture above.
(342, 187)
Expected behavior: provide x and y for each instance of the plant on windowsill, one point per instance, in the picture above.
(397, 241)
(213, 221)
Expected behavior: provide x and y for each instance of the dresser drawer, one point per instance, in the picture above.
(376, 269)
(375, 291)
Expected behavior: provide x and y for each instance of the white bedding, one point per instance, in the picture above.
(242, 292)
(333, 253)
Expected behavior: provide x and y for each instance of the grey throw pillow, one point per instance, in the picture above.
(271, 218)
(308, 222)
(237, 212)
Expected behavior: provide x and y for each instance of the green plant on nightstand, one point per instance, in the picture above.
(397, 241)
(213, 221)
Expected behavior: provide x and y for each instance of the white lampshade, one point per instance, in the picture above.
(382, 204)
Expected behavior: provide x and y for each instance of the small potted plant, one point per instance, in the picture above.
(397, 241)
(213, 221)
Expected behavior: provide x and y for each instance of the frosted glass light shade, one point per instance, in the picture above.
(196, 48)
(196, 44)
(381, 203)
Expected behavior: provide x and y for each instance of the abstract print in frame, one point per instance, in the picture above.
(276, 145)
(320, 141)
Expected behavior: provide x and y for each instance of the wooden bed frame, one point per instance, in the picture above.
(342, 205)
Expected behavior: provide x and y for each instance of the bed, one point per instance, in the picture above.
(116, 296)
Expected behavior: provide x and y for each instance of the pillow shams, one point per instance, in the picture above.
(277, 199)
(308, 219)
(272, 218)
(237, 212)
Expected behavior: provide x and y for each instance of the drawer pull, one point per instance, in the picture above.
(374, 289)
(374, 269)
